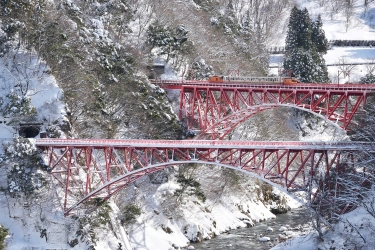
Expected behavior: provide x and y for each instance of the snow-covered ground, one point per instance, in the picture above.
(213, 217)
(21, 218)
(25, 227)
(354, 231)
(348, 233)
(339, 55)
(41, 87)
(360, 27)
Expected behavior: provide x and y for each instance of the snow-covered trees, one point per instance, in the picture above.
(200, 70)
(24, 166)
(318, 36)
(189, 186)
(16, 105)
(369, 78)
(3, 234)
(363, 129)
(305, 46)
(130, 213)
(299, 30)
(84, 230)
(171, 42)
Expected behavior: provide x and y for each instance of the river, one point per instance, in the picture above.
(248, 238)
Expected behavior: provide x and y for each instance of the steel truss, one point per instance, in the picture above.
(86, 169)
(216, 110)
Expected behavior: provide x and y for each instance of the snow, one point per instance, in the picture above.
(147, 234)
(264, 239)
(361, 27)
(42, 89)
(308, 242)
(337, 55)
(342, 233)
(46, 98)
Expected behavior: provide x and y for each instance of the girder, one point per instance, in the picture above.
(100, 168)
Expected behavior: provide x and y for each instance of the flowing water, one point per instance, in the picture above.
(248, 238)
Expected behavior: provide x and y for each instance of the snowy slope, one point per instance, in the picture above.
(360, 27)
(40, 86)
(24, 221)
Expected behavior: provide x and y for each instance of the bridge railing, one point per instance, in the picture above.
(266, 85)
(252, 79)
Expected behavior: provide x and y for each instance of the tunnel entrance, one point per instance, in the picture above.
(28, 130)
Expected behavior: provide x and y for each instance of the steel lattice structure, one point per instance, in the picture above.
(217, 108)
(100, 168)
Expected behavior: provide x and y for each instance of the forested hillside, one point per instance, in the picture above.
(101, 54)
(81, 69)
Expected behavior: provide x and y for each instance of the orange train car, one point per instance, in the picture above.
(216, 79)
(290, 80)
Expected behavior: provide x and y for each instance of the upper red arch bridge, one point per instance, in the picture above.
(100, 168)
(215, 109)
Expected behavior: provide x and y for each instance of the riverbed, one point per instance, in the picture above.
(294, 223)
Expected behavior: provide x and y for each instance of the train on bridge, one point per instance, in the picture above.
(284, 80)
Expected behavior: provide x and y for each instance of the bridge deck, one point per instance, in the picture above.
(316, 145)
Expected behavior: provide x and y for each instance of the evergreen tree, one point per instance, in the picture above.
(301, 62)
(369, 78)
(3, 235)
(260, 45)
(305, 30)
(318, 36)
(246, 24)
(321, 74)
(170, 41)
(292, 35)
(305, 46)
(299, 30)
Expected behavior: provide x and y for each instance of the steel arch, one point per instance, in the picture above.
(224, 126)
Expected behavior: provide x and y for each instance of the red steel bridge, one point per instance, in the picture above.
(215, 109)
(100, 168)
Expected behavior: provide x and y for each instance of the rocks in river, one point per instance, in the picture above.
(248, 223)
(282, 237)
(282, 229)
(264, 239)
(269, 229)
(280, 209)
